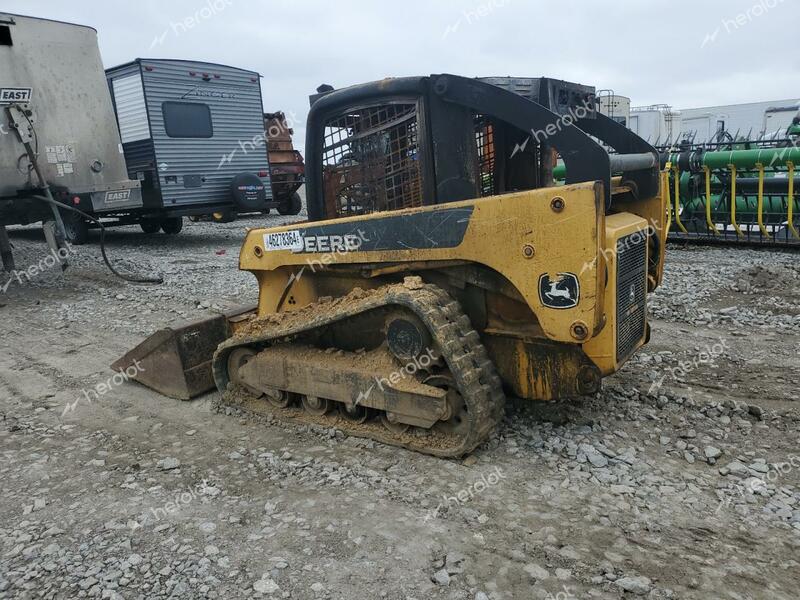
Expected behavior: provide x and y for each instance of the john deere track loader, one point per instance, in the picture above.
(441, 267)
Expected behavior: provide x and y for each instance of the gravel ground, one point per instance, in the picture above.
(680, 480)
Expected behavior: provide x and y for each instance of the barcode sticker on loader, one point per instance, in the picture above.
(284, 240)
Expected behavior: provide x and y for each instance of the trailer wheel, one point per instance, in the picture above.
(225, 216)
(172, 225)
(292, 206)
(75, 228)
(150, 225)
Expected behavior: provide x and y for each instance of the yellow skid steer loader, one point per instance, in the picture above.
(441, 267)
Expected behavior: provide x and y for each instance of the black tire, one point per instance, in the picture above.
(172, 225)
(150, 225)
(292, 206)
(248, 192)
(76, 229)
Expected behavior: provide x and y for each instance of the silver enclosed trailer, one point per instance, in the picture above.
(193, 134)
(58, 135)
(769, 120)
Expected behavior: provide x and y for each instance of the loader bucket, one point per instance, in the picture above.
(176, 361)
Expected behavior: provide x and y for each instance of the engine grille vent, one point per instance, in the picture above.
(631, 292)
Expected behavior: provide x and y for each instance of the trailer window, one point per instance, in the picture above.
(187, 120)
(5, 36)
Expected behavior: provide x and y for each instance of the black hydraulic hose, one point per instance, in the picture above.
(130, 278)
(33, 154)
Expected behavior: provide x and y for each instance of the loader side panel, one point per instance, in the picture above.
(547, 254)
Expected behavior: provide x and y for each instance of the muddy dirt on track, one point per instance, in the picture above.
(680, 480)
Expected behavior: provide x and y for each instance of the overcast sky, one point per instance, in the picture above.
(687, 53)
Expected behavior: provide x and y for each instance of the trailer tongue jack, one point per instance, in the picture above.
(5, 250)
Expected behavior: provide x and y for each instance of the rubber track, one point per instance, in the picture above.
(473, 372)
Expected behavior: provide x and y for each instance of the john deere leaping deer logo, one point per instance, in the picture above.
(562, 292)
